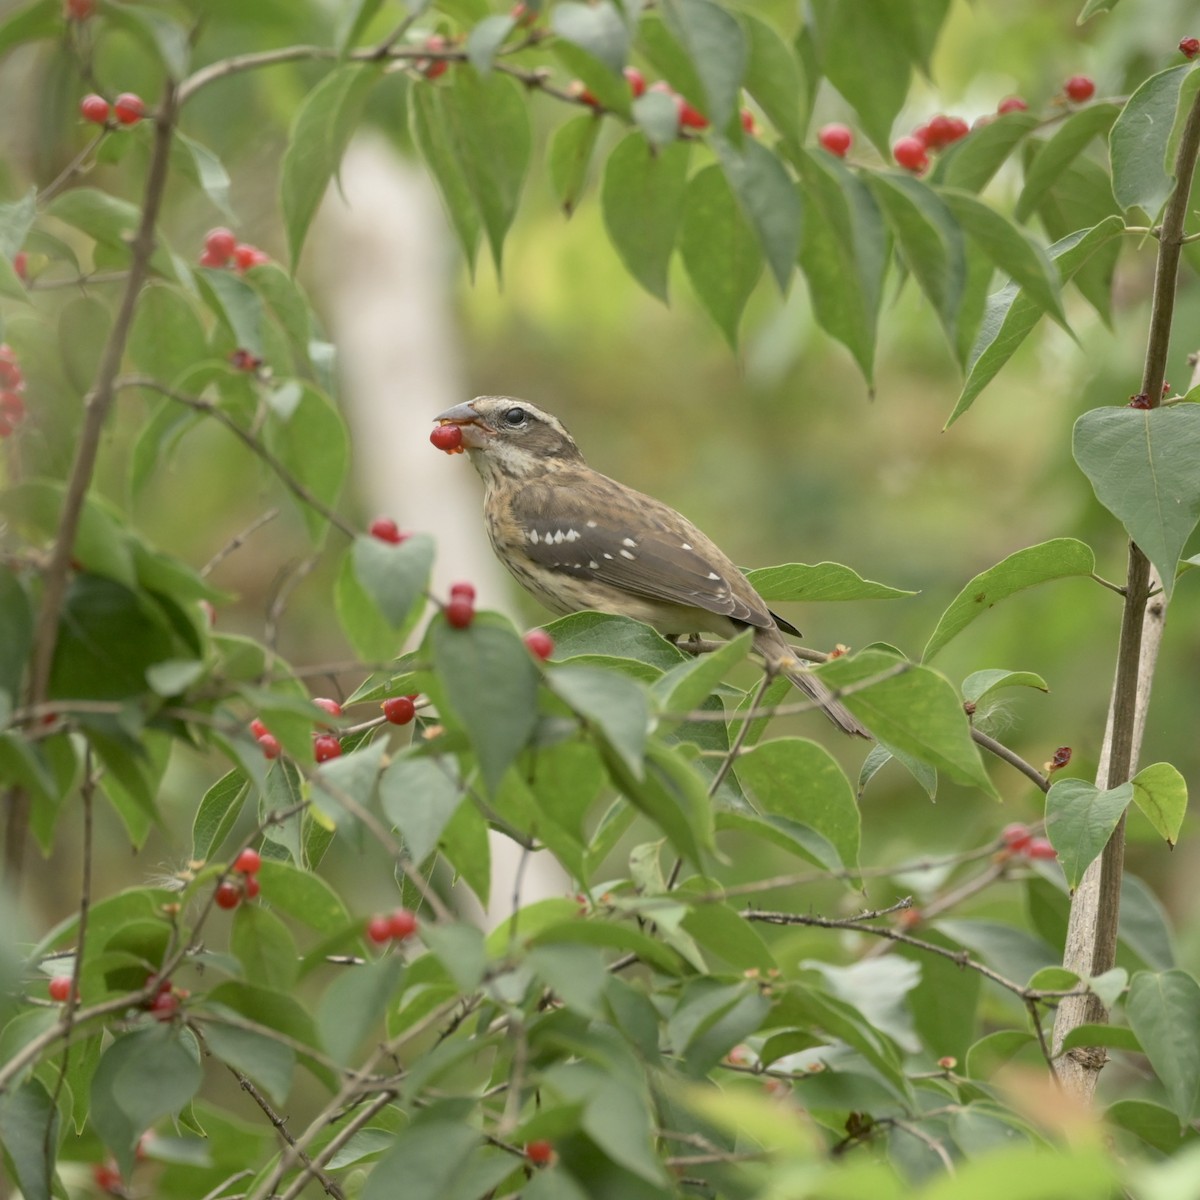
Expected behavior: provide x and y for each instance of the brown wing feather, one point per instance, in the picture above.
(576, 526)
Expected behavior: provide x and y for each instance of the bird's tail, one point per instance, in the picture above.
(780, 661)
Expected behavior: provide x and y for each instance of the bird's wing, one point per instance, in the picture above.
(596, 529)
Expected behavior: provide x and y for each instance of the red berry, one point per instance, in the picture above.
(325, 747)
(94, 108)
(1011, 104)
(748, 122)
(910, 153)
(836, 138)
(1015, 836)
(6, 427)
(539, 1153)
(60, 988)
(399, 710)
(165, 1005)
(248, 862)
(689, 117)
(577, 89)
(21, 265)
(253, 887)
(942, 130)
(386, 530)
(636, 81)
(540, 643)
(246, 256)
(448, 438)
(258, 728)
(523, 15)
(462, 591)
(209, 259)
(402, 924)
(107, 1178)
(1189, 47)
(11, 378)
(431, 68)
(1080, 88)
(12, 408)
(128, 108)
(379, 929)
(221, 242)
(228, 895)
(460, 612)
(1040, 848)
(332, 707)
(1061, 758)
(243, 360)
(80, 10)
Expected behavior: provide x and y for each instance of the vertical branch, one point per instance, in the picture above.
(97, 405)
(1095, 908)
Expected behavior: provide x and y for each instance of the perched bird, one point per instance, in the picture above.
(579, 540)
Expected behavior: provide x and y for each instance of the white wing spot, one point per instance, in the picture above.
(626, 554)
(607, 555)
(533, 536)
(713, 575)
(629, 542)
(591, 524)
(687, 545)
(573, 535)
(593, 564)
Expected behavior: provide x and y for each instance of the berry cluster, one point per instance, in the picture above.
(12, 386)
(128, 109)
(449, 438)
(395, 926)
(460, 612)
(912, 152)
(399, 710)
(1018, 840)
(327, 745)
(386, 530)
(231, 892)
(690, 117)
(267, 741)
(222, 249)
(433, 68)
(167, 998)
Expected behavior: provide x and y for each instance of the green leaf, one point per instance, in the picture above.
(1155, 1125)
(689, 684)
(611, 703)
(1011, 314)
(657, 116)
(726, 933)
(302, 895)
(486, 38)
(486, 124)
(317, 140)
(29, 1132)
(424, 1161)
(1141, 140)
(167, 336)
(982, 684)
(460, 949)
(1060, 558)
(972, 161)
(576, 974)
(599, 29)
(773, 78)
(259, 1056)
(713, 40)
(720, 249)
(601, 633)
(1164, 1011)
(16, 632)
(419, 796)
(355, 1004)
(1141, 465)
(432, 135)
(570, 156)
(820, 582)
(265, 947)
(159, 32)
(1093, 8)
(394, 576)
(929, 239)
(1054, 155)
(768, 198)
(1160, 791)
(916, 711)
(844, 249)
(1080, 819)
(16, 220)
(642, 201)
(1011, 249)
(312, 444)
(491, 685)
(41, 19)
(801, 782)
(236, 304)
(202, 167)
(1116, 1037)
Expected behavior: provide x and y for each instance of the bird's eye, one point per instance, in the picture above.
(515, 417)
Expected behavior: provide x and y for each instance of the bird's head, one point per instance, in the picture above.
(511, 437)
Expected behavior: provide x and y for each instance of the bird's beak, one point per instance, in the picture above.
(469, 421)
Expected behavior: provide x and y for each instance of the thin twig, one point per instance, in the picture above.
(237, 541)
(1011, 757)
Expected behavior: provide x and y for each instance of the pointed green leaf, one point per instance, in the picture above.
(355, 1004)
(1164, 1012)
(1061, 558)
(657, 116)
(599, 29)
(41, 19)
(486, 38)
(202, 167)
(394, 576)
(613, 704)
(1160, 791)
(720, 250)
(642, 201)
(972, 161)
(318, 138)
(1142, 467)
(713, 40)
(1011, 315)
(773, 78)
(916, 711)
(419, 796)
(822, 581)
(29, 1131)
(1080, 818)
(1142, 139)
(982, 684)
(264, 946)
(1057, 153)
(262, 1058)
(690, 683)
(425, 1160)
(570, 157)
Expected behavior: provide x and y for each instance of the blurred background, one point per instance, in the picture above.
(779, 451)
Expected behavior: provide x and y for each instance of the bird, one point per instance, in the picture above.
(578, 540)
